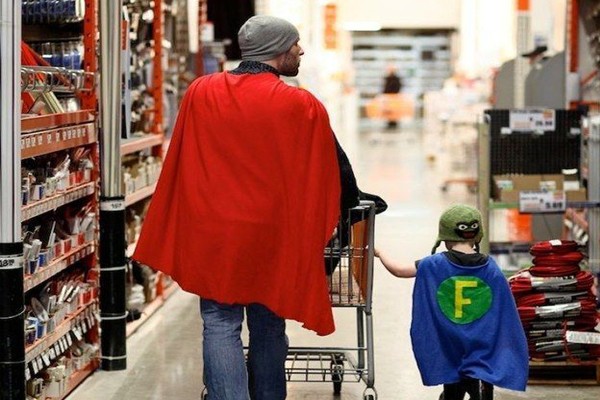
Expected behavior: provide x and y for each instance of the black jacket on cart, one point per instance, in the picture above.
(350, 197)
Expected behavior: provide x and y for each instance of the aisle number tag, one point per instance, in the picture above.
(112, 205)
(534, 202)
(11, 262)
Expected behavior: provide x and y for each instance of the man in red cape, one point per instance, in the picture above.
(248, 197)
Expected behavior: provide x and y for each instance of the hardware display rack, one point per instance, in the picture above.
(503, 150)
(141, 153)
(56, 192)
(158, 62)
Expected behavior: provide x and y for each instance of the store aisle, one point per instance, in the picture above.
(164, 356)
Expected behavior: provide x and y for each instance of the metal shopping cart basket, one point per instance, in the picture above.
(349, 263)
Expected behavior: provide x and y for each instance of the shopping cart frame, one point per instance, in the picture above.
(348, 287)
(352, 246)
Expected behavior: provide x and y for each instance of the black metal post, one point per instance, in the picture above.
(12, 322)
(112, 202)
(112, 283)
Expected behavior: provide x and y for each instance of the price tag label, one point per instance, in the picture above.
(77, 332)
(583, 337)
(46, 359)
(34, 366)
(532, 120)
(40, 363)
(533, 202)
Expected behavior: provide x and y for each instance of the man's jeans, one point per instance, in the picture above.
(225, 372)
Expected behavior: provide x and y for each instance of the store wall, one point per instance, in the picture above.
(488, 32)
(402, 13)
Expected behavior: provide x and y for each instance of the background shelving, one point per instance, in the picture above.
(160, 68)
(423, 59)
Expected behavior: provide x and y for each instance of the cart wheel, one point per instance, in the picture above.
(337, 373)
(337, 388)
(337, 376)
(370, 394)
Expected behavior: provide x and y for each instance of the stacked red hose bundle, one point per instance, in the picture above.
(583, 353)
(555, 295)
(540, 299)
(555, 258)
(524, 282)
(580, 324)
(566, 311)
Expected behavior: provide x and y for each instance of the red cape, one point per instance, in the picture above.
(248, 197)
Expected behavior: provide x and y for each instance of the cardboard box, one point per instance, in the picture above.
(576, 195)
(507, 187)
(551, 182)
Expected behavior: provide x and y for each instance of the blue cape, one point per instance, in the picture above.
(465, 324)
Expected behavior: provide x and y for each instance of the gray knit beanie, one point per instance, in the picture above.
(263, 37)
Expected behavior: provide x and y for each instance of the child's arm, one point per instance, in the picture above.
(401, 271)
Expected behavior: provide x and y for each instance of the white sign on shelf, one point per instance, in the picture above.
(583, 337)
(542, 201)
(532, 120)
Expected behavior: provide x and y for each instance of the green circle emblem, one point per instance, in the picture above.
(463, 299)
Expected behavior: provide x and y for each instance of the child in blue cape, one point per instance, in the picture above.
(465, 329)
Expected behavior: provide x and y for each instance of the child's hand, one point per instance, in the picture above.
(396, 269)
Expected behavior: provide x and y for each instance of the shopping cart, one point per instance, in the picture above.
(348, 260)
(349, 263)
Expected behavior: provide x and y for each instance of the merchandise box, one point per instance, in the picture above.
(506, 188)
(576, 195)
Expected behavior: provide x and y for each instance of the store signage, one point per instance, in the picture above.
(330, 29)
(542, 201)
(532, 120)
(583, 337)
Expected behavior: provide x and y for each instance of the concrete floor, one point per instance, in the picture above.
(164, 356)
